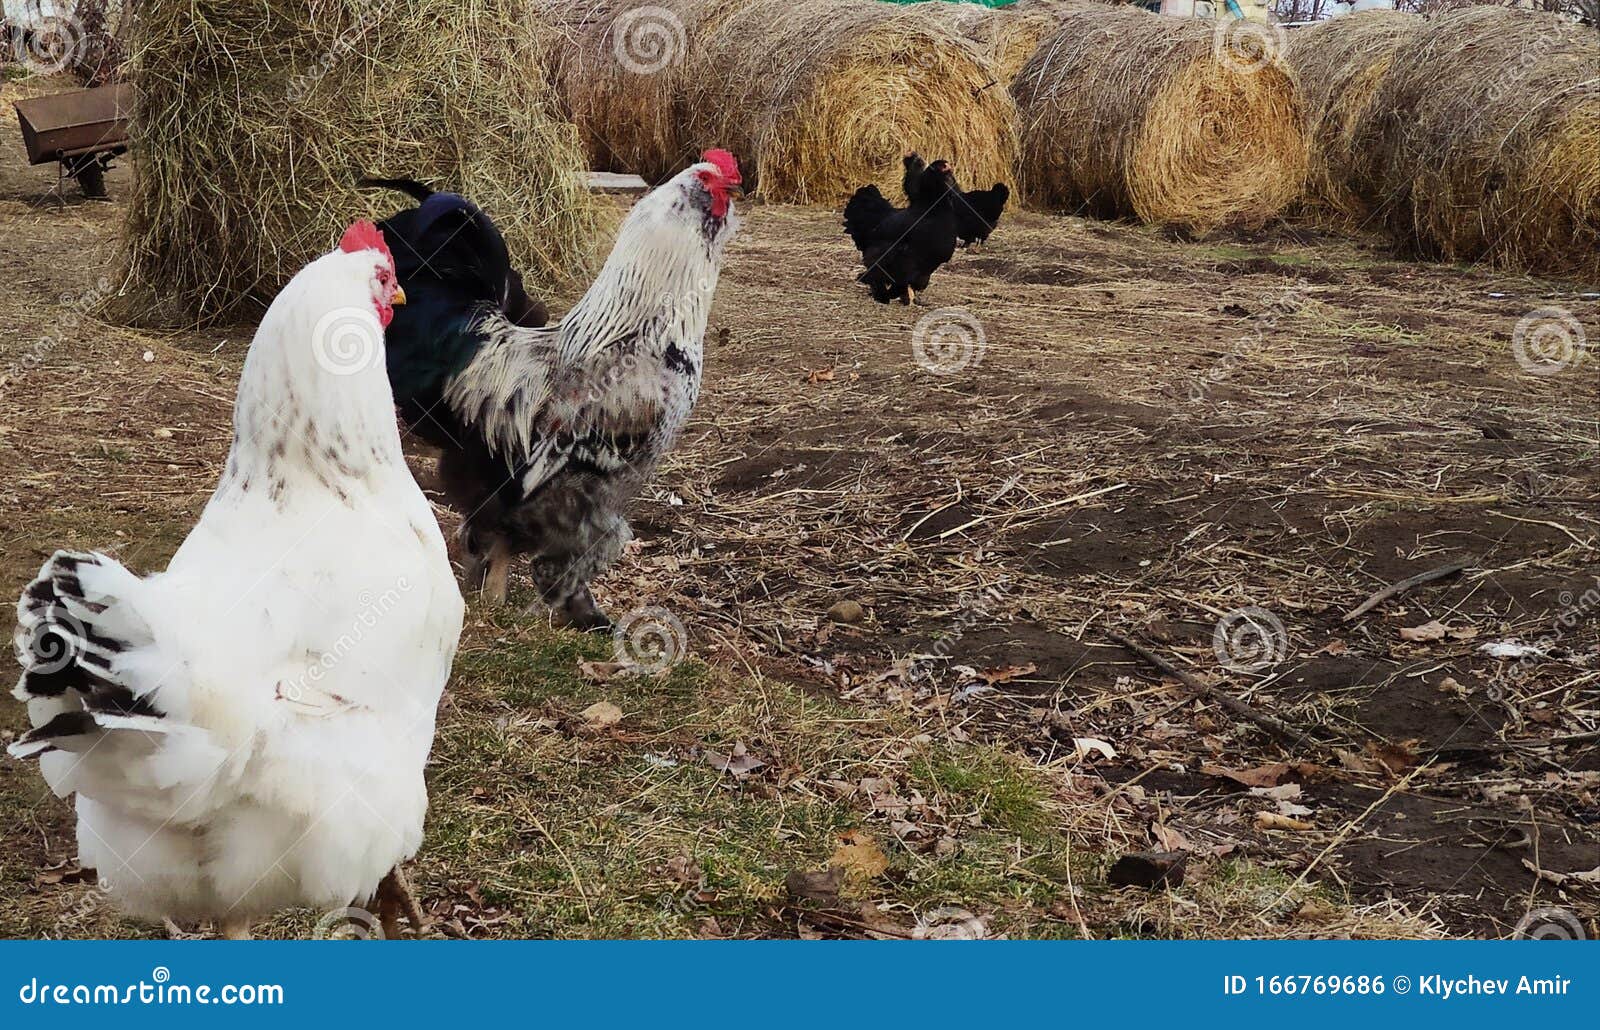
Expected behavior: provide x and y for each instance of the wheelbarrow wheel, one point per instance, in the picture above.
(91, 176)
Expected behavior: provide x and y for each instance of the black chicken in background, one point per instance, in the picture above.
(903, 247)
(980, 210)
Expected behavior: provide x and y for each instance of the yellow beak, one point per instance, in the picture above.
(399, 297)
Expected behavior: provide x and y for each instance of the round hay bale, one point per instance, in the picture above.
(818, 97)
(1487, 130)
(1006, 36)
(254, 120)
(618, 72)
(1340, 64)
(1170, 120)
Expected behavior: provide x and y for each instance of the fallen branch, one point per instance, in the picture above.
(1273, 725)
(1396, 589)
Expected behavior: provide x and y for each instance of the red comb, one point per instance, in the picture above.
(363, 235)
(726, 163)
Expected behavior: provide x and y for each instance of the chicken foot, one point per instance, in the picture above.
(394, 897)
(499, 563)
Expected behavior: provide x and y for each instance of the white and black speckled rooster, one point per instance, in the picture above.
(547, 432)
(246, 731)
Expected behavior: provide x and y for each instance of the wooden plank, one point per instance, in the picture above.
(612, 182)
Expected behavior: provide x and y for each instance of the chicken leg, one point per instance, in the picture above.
(235, 928)
(911, 296)
(494, 581)
(394, 897)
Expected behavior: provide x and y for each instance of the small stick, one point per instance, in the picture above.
(1282, 730)
(1034, 510)
(1512, 745)
(1404, 585)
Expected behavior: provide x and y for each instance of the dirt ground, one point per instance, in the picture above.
(1098, 429)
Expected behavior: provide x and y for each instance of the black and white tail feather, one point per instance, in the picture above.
(72, 634)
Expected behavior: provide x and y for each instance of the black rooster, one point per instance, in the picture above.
(976, 216)
(449, 256)
(902, 247)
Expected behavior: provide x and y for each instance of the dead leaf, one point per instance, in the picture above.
(821, 886)
(1169, 839)
(1260, 776)
(1085, 745)
(1449, 685)
(820, 375)
(1333, 647)
(1355, 763)
(601, 715)
(858, 856)
(1282, 792)
(65, 875)
(1427, 633)
(1395, 758)
(599, 672)
(741, 763)
(950, 923)
(1274, 821)
(684, 869)
(1007, 673)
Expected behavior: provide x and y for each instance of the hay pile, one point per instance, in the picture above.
(1340, 64)
(816, 97)
(255, 118)
(1129, 113)
(1487, 128)
(618, 70)
(1005, 36)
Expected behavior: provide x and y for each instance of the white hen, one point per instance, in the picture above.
(247, 730)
